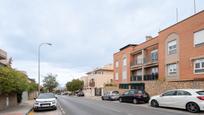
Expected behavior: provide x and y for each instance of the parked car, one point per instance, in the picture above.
(45, 101)
(111, 95)
(135, 96)
(80, 94)
(190, 99)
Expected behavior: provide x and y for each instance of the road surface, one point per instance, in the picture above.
(84, 106)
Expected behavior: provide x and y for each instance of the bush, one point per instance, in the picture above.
(13, 81)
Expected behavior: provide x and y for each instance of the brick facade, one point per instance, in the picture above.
(182, 33)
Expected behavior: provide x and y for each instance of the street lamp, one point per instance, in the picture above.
(39, 63)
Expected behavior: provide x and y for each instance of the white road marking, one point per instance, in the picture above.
(61, 109)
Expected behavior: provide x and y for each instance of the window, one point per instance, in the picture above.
(169, 93)
(199, 66)
(200, 92)
(154, 55)
(172, 69)
(154, 70)
(126, 93)
(199, 38)
(124, 61)
(131, 92)
(180, 93)
(139, 59)
(116, 76)
(123, 86)
(139, 72)
(115, 92)
(172, 47)
(124, 74)
(116, 64)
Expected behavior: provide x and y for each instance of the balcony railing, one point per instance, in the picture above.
(136, 78)
(153, 76)
(146, 61)
(134, 63)
(150, 61)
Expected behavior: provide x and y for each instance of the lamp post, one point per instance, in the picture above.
(39, 63)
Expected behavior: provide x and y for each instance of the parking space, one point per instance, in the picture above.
(146, 105)
(47, 112)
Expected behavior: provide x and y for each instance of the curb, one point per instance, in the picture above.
(28, 111)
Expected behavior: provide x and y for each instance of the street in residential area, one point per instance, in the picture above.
(85, 106)
(101, 57)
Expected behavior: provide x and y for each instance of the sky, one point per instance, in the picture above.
(84, 33)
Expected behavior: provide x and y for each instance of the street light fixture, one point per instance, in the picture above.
(39, 63)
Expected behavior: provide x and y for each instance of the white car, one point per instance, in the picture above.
(45, 101)
(190, 99)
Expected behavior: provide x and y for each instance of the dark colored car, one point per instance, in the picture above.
(135, 96)
(111, 95)
(80, 94)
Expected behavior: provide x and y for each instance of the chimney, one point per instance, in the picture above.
(148, 38)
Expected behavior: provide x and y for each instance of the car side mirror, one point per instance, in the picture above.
(161, 95)
(56, 97)
(34, 98)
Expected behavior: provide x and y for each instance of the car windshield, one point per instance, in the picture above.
(200, 92)
(46, 96)
(115, 92)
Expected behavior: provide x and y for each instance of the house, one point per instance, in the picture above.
(96, 79)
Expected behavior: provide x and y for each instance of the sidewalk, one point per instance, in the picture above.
(21, 109)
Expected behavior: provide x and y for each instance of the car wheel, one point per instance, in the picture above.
(35, 110)
(192, 107)
(120, 99)
(154, 103)
(109, 99)
(102, 98)
(135, 101)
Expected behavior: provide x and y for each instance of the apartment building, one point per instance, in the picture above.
(3, 58)
(173, 59)
(96, 79)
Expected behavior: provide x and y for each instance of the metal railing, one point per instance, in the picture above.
(153, 76)
(136, 78)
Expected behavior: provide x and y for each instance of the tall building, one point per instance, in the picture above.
(173, 59)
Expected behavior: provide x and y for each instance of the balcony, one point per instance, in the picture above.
(136, 78)
(3, 54)
(149, 62)
(136, 63)
(153, 76)
(147, 77)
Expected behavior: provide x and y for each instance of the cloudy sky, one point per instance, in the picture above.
(84, 33)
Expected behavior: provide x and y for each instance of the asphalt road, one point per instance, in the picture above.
(84, 106)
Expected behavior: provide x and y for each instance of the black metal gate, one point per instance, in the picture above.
(98, 91)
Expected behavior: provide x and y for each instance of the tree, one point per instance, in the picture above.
(32, 86)
(13, 81)
(75, 85)
(50, 82)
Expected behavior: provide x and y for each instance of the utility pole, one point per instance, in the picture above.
(176, 15)
(194, 2)
(39, 64)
